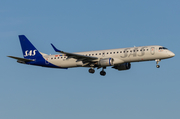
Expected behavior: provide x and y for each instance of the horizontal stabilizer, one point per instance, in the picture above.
(21, 59)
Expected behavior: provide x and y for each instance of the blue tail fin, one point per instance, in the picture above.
(29, 51)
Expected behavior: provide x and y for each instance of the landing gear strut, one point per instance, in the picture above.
(103, 73)
(157, 62)
(91, 70)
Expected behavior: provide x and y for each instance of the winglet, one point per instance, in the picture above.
(55, 48)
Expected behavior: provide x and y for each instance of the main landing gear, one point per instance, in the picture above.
(102, 73)
(157, 62)
(91, 70)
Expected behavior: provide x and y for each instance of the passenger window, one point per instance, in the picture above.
(110, 52)
(120, 51)
(99, 53)
(107, 52)
(114, 52)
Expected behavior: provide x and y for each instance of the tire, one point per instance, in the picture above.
(91, 71)
(158, 66)
(102, 73)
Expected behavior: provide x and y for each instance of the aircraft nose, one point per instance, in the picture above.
(171, 54)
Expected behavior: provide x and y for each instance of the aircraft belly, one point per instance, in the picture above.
(65, 63)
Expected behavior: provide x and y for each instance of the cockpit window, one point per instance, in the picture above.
(160, 48)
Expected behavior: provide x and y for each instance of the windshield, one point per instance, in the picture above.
(160, 48)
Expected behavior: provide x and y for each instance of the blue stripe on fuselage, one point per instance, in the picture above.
(42, 62)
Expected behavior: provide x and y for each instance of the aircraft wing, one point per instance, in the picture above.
(75, 56)
(21, 59)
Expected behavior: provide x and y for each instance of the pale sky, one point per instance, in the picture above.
(143, 92)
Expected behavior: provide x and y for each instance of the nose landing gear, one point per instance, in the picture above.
(157, 62)
(158, 66)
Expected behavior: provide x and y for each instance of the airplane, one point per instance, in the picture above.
(119, 59)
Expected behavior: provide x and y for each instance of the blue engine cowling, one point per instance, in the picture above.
(124, 66)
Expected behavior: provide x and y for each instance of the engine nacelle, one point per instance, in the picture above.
(124, 66)
(105, 62)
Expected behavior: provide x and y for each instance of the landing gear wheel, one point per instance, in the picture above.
(102, 73)
(158, 66)
(91, 71)
(157, 62)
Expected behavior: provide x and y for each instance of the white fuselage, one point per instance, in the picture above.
(122, 55)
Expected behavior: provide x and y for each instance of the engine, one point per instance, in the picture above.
(110, 62)
(105, 62)
(124, 66)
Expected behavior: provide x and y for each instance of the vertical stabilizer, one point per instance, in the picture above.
(29, 51)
